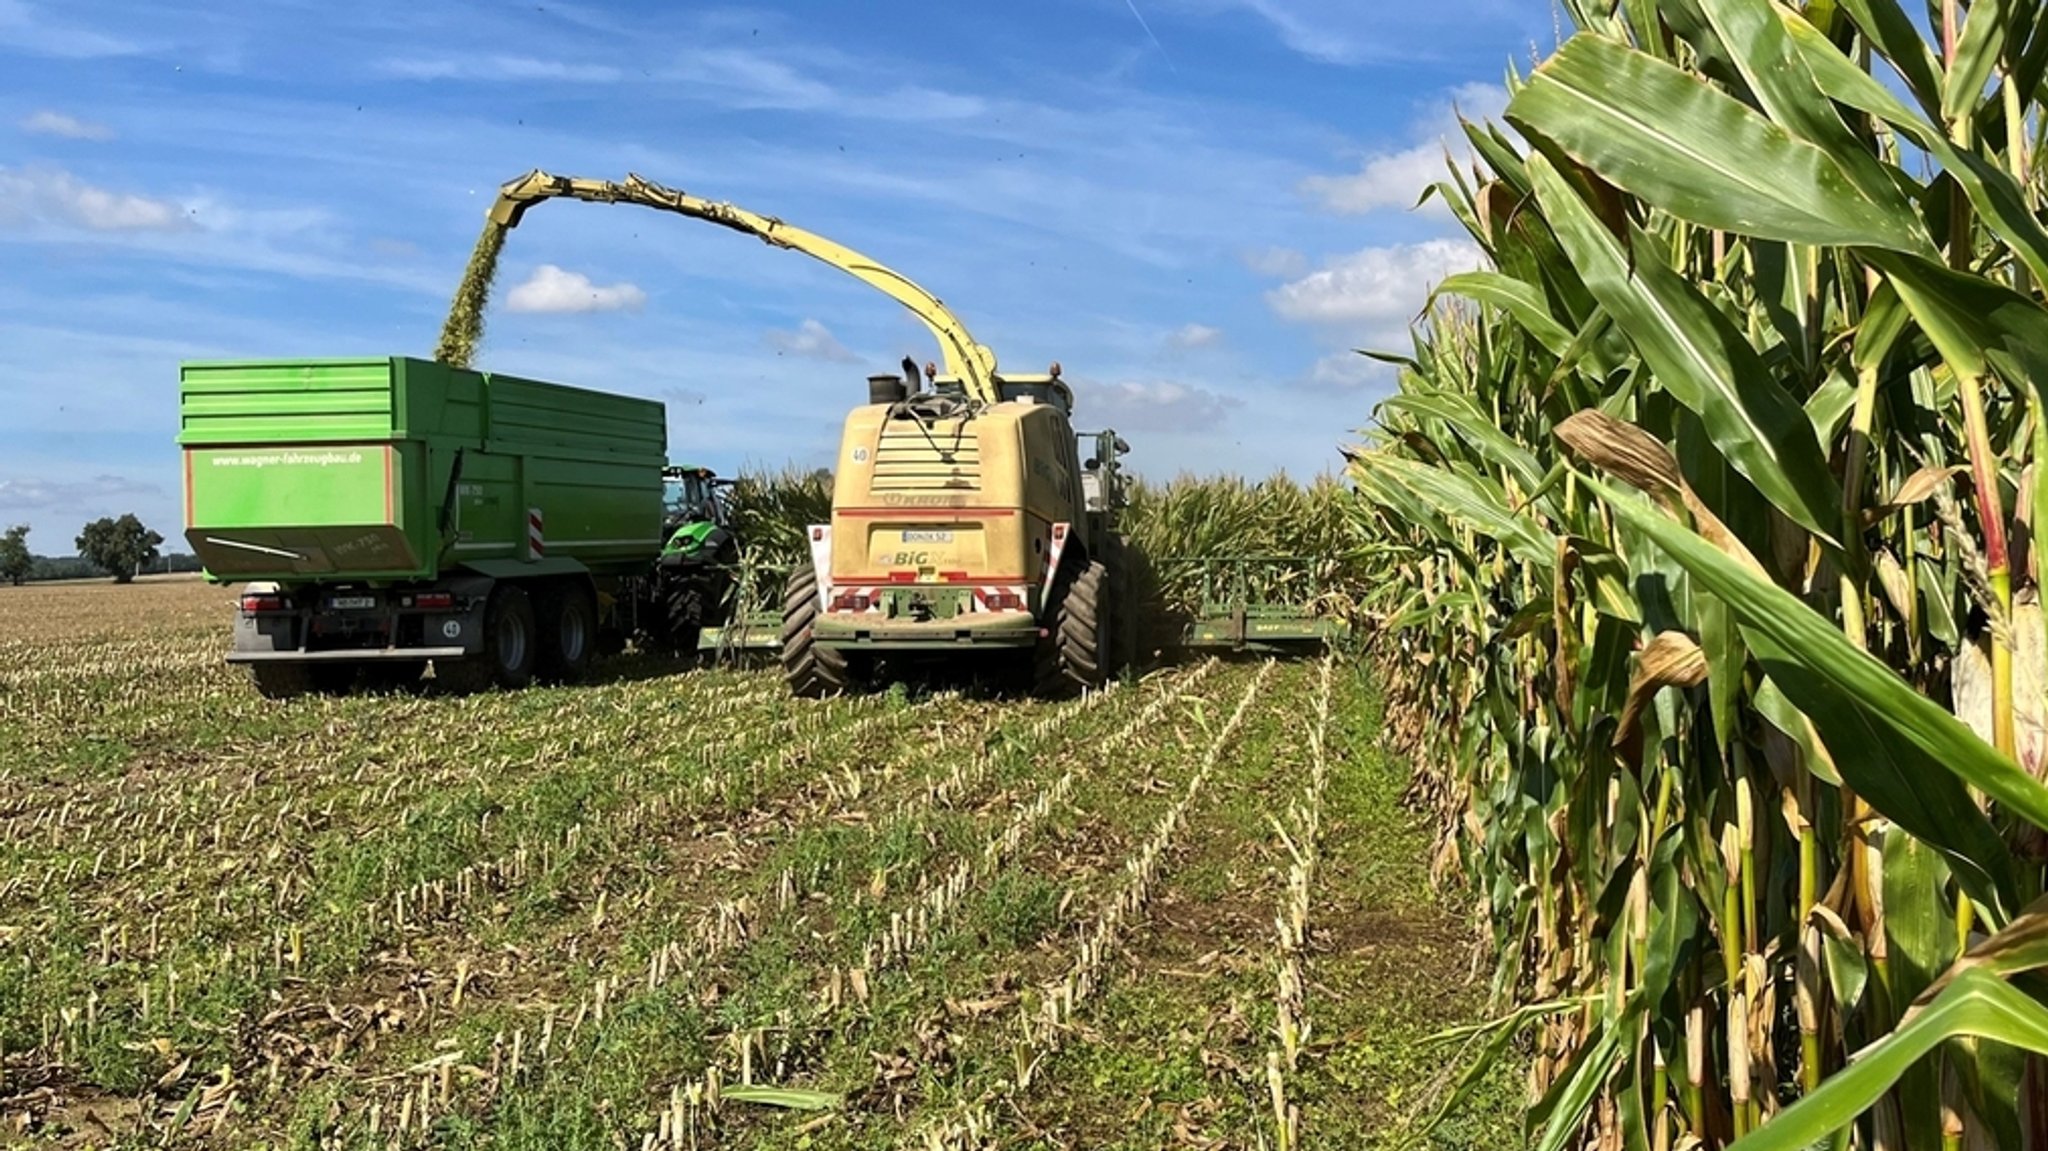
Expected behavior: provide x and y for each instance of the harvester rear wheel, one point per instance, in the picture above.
(812, 671)
(1077, 653)
(568, 632)
(509, 647)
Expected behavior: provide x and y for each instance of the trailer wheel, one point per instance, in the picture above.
(812, 672)
(509, 650)
(568, 632)
(1076, 654)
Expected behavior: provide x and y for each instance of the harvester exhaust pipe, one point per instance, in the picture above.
(887, 390)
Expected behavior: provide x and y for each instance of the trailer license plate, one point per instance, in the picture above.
(929, 537)
(352, 602)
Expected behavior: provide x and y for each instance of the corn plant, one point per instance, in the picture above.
(1702, 517)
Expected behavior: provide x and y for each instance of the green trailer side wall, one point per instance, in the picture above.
(389, 469)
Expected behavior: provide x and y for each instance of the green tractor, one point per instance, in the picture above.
(700, 555)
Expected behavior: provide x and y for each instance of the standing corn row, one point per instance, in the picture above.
(1703, 513)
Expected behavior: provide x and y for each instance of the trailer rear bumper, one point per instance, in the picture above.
(349, 655)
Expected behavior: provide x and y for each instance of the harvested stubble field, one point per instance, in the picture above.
(1184, 912)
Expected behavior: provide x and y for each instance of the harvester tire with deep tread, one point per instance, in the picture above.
(1076, 653)
(510, 647)
(812, 672)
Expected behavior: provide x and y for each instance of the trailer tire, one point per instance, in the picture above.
(567, 632)
(508, 655)
(812, 672)
(1077, 652)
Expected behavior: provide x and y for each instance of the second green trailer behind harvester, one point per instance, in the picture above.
(385, 513)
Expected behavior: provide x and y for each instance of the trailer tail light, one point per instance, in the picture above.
(257, 604)
(432, 601)
(850, 601)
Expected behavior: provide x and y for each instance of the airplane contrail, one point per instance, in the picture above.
(1133, 6)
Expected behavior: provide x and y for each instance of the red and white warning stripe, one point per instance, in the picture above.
(536, 537)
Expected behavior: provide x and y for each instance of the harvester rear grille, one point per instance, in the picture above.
(910, 458)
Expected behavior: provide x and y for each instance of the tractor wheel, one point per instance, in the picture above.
(509, 652)
(813, 672)
(1077, 653)
(684, 602)
(567, 632)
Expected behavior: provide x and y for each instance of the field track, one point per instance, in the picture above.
(1183, 912)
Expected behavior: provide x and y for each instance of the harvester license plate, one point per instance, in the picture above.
(928, 537)
(352, 602)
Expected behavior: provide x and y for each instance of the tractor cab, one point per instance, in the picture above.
(693, 504)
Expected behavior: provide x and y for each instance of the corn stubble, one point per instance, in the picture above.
(1701, 516)
(384, 921)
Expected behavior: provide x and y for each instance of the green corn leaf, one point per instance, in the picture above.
(1653, 130)
(1476, 429)
(1701, 359)
(1976, 324)
(1466, 500)
(1977, 53)
(1900, 750)
(1885, 24)
(1993, 192)
(1521, 300)
(1759, 47)
(788, 1098)
(1975, 1003)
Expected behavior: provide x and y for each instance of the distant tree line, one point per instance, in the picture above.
(122, 547)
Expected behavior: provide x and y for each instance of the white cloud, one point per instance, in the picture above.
(740, 78)
(509, 68)
(1151, 405)
(1196, 336)
(1283, 262)
(1349, 371)
(21, 28)
(49, 123)
(71, 495)
(1349, 32)
(1388, 180)
(54, 196)
(1374, 293)
(551, 289)
(1397, 178)
(812, 340)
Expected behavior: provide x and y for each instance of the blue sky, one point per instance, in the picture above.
(1196, 206)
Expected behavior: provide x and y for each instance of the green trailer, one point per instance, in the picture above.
(389, 512)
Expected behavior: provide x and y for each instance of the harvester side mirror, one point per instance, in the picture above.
(1093, 464)
(1122, 448)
